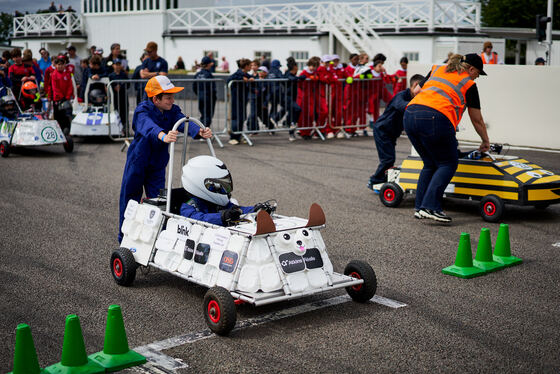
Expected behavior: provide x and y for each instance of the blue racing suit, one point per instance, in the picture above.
(202, 210)
(386, 131)
(147, 155)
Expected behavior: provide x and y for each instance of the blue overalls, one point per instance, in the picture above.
(386, 131)
(147, 155)
(201, 210)
(207, 95)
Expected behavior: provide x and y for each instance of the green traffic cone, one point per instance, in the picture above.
(74, 357)
(483, 258)
(463, 267)
(25, 357)
(116, 355)
(502, 250)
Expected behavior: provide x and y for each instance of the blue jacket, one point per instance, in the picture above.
(390, 123)
(239, 93)
(146, 150)
(292, 84)
(204, 90)
(88, 73)
(202, 210)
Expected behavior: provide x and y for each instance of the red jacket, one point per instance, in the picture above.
(61, 85)
(399, 85)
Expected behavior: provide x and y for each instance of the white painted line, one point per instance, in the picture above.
(159, 363)
(388, 302)
(557, 245)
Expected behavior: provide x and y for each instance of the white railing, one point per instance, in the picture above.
(48, 24)
(397, 15)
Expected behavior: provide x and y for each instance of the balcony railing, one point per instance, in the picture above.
(48, 24)
(396, 15)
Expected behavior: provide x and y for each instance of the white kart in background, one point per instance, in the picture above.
(263, 260)
(31, 130)
(96, 118)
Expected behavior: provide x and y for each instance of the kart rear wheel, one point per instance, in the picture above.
(219, 310)
(361, 270)
(491, 208)
(123, 267)
(541, 206)
(4, 148)
(69, 144)
(391, 194)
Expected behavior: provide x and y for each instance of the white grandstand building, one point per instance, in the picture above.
(423, 30)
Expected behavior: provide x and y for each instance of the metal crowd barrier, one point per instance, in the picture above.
(310, 107)
(205, 99)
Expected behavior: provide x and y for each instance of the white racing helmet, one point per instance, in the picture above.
(207, 178)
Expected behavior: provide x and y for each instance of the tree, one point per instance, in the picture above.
(6, 23)
(517, 13)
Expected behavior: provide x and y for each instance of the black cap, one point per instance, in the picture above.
(474, 60)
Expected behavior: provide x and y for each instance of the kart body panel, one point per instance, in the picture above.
(515, 180)
(28, 131)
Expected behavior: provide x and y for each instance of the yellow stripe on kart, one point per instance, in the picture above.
(548, 179)
(479, 192)
(408, 186)
(541, 195)
(413, 176)
(475, 169)
(488, 182)
(412, 164)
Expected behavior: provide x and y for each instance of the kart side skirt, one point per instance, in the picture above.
(264, 298)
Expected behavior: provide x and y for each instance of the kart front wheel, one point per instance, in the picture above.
(123, 267)
(491, 208)
(219, 310)
(361, 270)
(391, 194)
(69, 144)
(4, 148)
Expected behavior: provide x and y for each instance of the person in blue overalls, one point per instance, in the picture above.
(208, 183)
(388, 128)
(206, 91)
(239, 95)
(148, 154)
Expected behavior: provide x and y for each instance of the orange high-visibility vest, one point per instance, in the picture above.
(493, 59)
(445, 92)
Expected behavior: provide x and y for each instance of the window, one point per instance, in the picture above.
(301, 58)
(260, 54)
(412, 56)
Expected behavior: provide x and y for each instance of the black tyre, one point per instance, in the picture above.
(123, 266)
(391, 194)
(491, 208)
(361, 270)
(4, 148)
(219, 310)
(541, 206)
(69, 144)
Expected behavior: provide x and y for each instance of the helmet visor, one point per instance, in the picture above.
(223, 185)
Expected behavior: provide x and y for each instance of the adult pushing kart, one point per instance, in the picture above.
(28, 129)
(492, 179)
(262, 259)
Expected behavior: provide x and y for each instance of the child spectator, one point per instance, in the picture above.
(252, 123)
(292, 108)
(45, 60)
(351, 96)
(336, 74)
(139, 87)
(28, 61)
(93, 72)
(62, 91)
(119, 89)
(206, 92)
(239, 95)
(276, 92)
(18, 73)
(399, 79)
(262, 92)
(306, 96)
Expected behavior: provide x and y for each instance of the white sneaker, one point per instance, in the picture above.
(340, 135)
(233, 142)
(330, 135)
(292, 138)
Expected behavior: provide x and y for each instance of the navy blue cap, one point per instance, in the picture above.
(206, 60)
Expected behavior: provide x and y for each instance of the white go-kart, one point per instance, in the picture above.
(265, 258)
(31, 130)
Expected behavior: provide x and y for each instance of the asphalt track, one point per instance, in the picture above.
(58, 227)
